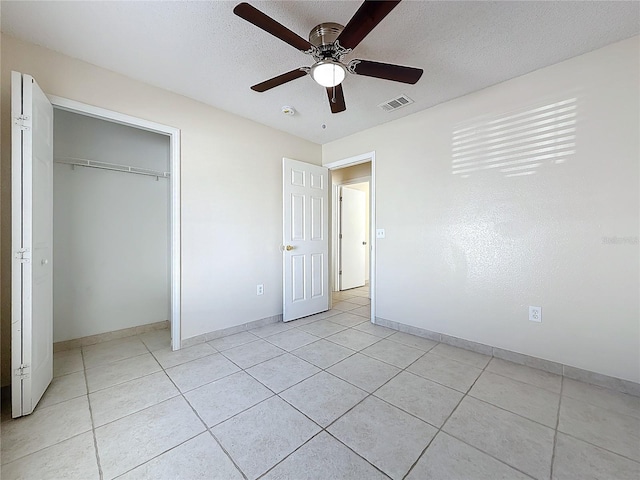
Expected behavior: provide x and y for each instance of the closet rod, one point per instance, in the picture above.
(82, 162)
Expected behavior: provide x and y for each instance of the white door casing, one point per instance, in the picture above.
(305, 239)
(32, 241)
(347, 162)
(353, 240)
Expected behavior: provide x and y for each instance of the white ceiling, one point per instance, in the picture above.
(203, 51)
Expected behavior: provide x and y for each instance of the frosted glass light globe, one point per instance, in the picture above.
(328, 73)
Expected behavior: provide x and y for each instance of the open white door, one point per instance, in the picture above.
(305, 239)
(32, 239)
(353, 238)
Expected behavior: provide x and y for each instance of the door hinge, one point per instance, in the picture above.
(340, 272)
(24, 255)
(340, 235)
(23, 121)
(23, 371)
(340, 198)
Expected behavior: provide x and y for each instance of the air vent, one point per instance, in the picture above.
(395, 103)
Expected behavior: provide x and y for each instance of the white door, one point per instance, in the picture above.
(305, 239)
(32, 238)
(353, 239)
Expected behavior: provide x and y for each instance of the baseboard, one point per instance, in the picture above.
(105, 337)
(613, 383)
(207, 337)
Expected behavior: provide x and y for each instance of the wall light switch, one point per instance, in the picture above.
(535, 314)
(380, 233)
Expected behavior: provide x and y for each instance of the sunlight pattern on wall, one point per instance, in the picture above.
(517, 144)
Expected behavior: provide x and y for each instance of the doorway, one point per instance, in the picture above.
(32, 160)
(354, 176)
(173, 134)
(353, 232)
(110, 228)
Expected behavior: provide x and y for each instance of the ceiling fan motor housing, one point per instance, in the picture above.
(323, 37)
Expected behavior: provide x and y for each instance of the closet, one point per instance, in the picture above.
(111, 226)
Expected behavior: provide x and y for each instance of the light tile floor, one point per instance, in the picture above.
(326, 397)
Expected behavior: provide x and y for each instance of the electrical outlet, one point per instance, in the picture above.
(260, 290)
(380, 233)
(535, 314)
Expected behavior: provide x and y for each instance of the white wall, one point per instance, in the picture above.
(231, 187)
(110, 229)
(467, 256)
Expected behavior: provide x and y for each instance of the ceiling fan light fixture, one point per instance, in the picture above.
(328, 73)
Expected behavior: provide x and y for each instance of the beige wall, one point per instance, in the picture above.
(466, 256)
(231, 188)
(355, 172)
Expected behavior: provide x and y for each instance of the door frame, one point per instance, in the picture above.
(174, 196)
(349, 162)
(336, 244)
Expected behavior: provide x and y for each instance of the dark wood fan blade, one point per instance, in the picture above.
(368, 16)
(268, 24)
(336, 100)
(388, 71)
(279, 80)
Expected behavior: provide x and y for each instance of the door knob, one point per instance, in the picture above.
(364, 243)
(288, 248)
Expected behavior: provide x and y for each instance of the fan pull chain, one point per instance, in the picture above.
(333, 100)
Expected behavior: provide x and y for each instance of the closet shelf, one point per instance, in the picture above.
(83, 162)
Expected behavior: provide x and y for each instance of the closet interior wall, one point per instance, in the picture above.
(111, 228)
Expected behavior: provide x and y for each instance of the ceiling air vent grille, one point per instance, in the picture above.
(395, 103)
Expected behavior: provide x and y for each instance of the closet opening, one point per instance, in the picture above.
(115, 224)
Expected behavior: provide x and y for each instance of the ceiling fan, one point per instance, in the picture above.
(328, 44)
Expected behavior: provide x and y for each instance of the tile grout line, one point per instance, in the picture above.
(325, 429)
(368, 395)
(155, 404)
(485, 401)
(180, 393)
(447, 419)
(279, 462)
(512, 413)
(465, 394)
(242, 370)
(371, 394)
(93, 425)
(489, 455)
(555, 433)
(600, 447)
(523, 382)
(207, 429)
(537, 423)
(274, 394)
(356, 453)
(322, 429)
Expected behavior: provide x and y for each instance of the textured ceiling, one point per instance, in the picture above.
(203, 51)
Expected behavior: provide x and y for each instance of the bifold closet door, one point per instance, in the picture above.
(32, 242)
